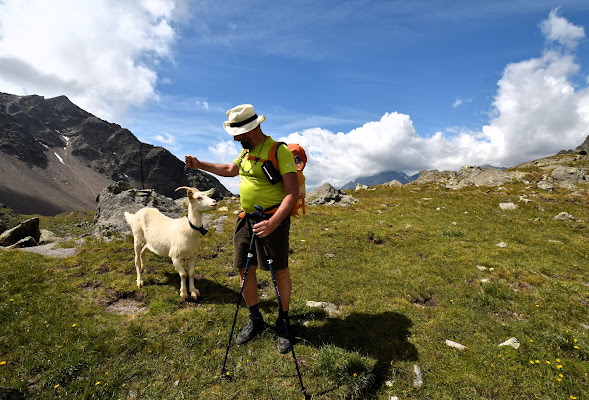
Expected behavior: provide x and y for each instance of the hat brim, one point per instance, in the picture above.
(234, 131)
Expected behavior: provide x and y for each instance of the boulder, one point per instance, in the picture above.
(119, 197)
(329, 195)
(570, 176)
(29, 227)
(29, 241)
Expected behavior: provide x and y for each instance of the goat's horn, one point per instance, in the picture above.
(183, 187)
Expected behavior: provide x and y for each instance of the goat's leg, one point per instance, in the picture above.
(194, 293)
(139, 249)
(178, 265)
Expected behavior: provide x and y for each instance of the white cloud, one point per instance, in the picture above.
(559, 29)
(457, 103)
(203, 104)
(100, 54)
(537, 111)
(225, 152)
(168, 140)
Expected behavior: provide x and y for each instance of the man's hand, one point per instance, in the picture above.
(191, 162)
(263, 228)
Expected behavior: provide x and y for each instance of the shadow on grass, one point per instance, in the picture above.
(383, 337)
(210, 291)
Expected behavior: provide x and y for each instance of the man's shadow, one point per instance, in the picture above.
(383, 337)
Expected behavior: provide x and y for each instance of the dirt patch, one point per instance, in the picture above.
(129, 303)
(425, 300)
(114, 301)
(127, 307)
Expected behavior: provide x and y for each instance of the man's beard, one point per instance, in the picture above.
(245, 143)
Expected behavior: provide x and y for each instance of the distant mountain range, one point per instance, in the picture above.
(56, 157)
(379, 179)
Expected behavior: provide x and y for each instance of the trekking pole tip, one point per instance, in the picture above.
(225, 374)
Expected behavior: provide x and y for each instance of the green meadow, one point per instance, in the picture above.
(400, 272)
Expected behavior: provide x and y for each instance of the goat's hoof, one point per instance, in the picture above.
(195, 294)
(139, 284)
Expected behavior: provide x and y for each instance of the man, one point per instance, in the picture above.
(278, 199)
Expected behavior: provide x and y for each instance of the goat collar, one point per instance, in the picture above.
(202, 229)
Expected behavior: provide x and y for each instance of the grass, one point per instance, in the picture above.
(407, 268)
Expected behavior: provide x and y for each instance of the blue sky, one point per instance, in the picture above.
(364, 86)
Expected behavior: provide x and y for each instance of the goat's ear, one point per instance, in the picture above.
(209, 192)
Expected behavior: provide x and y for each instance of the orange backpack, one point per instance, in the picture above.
(301, 161)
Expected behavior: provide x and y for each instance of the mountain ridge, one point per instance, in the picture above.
(56, 157)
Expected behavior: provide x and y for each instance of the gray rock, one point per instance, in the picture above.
(48, 236)
(545, 185)
(329, 195)
(28, 241)
(119, 197)
(469, 176)
(29, 227)
(570, 175)
(563, 216)
(507, 206)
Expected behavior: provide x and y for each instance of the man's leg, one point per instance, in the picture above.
(250, 290)
(284, 285)
(255, 323)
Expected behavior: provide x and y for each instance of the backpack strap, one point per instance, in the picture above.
(273, 154)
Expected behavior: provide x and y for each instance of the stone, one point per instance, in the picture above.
(29, 227)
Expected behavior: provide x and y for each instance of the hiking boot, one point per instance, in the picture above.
(251, 329)
(284, 342)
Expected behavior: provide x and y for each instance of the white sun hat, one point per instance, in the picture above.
(242, 119)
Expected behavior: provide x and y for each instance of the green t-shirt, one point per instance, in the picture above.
(255, 188)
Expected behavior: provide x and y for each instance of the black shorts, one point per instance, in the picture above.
(277, 245)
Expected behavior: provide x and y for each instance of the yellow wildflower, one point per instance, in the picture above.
(56, 386)
(559, 366)
(2, 362)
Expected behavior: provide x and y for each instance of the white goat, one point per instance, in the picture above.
(177, 238)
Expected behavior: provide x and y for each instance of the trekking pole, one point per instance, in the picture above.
(250, 255)
(287, 330)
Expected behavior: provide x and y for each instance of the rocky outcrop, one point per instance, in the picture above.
(584, 147)
(558, 171)
(469, 176)
(119, 197)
